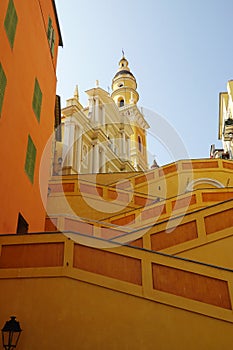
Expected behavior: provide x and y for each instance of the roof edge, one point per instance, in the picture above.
(57, 22)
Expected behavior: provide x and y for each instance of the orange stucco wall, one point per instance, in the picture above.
(30, 58)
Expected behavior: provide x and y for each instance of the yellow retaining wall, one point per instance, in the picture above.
(66, 298)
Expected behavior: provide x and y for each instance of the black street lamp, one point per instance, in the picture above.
(11, 333)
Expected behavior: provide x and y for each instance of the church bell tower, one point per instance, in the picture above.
(125, 96)
(124, 85)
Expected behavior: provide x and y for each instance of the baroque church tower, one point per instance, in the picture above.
(125, 95)
(109, 135)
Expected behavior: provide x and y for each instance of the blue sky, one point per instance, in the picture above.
(180, 52)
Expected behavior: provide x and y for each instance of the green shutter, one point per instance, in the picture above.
(51, 36)
(10, 22)
(49, 29)
(3, 82)
(30, 159)
(53, 42)
(57, 124)
(37, 100)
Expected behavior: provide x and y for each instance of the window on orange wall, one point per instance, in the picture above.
(37, 100)
(10, 22)
(30, 160)
(51, 36)
(139, 143)
(3, 81)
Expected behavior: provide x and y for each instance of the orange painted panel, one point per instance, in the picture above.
(32, 255)
(123, 185)
(216, 196)
(191, 285)
(219, 221)
(150, 176)
(109, 233)
(68, 187)
(125, 220)
(167, 170)
(227, 165)
(51, 225)
(182, 233)
(62, 187)
(140, 179)
(137, 243)
(200, 165)
(96, 190)
(99, 190)
(144, 178)
(183, 202)
(120, 196)
(109, 264)
(78, 226)
(112, 194)
(153, 212)
(187, 166)
(140, 200)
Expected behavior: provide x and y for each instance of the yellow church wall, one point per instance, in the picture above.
(186, 225)
(85, 199)
(194, 223)
(126, 95)
(118, 177)
(173, 179)
(184, 231)
(159, 184)
(127, 81)
(139, 132)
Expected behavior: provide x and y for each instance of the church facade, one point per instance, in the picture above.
(109, 135)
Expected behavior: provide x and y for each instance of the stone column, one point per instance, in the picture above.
(102, 160)
(69, 139)
(102, 115)
(123, 144)
(95, 158)
(96, 116)
(78, 148)
(90, 159)
(128, 148)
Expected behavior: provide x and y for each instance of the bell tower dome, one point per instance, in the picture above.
(124, 85)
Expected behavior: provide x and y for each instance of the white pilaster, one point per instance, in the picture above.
(96, 116)
(128, 148)
(103, 115)
(69, 139)
(95, 158)
(78, 148)
(102, 163)
(123, 144)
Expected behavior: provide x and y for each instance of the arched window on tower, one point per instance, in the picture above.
(139, 143)
(121, 102)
